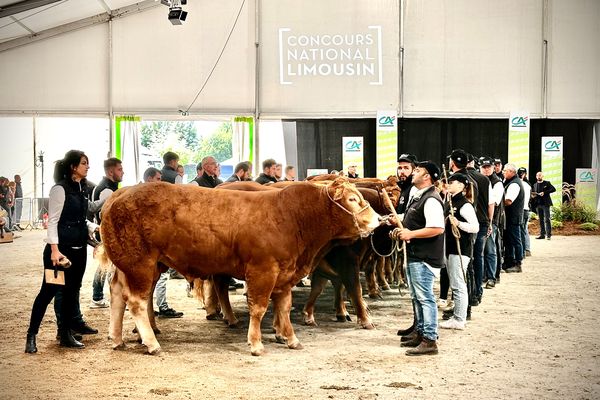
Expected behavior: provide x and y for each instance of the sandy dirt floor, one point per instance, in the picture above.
(535, 336)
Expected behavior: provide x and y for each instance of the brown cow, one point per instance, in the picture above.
(235, 238)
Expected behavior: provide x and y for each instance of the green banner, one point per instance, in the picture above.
(552, 165)
(518, 139)
(387, 143)
(586, 180)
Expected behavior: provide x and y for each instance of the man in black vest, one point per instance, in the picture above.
(209, 177)
(484, 208)
(541, 203)
(492, 251)
(404, 171)
(113, 174)
(406, 165)
(240, 173)
(169, 171)
(514, 198)
(268, 174)
(424, 233)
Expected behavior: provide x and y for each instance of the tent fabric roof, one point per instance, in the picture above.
(48, 14)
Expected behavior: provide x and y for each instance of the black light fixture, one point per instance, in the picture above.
(176, 14)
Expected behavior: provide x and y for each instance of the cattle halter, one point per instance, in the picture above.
(354, 215)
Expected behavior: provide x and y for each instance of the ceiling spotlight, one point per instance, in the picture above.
(177, 16)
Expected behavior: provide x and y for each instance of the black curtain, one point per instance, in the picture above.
(320, 143)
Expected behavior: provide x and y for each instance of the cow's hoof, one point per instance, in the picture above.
(340, 318)
(386, 287)
(366, 325)
(257, 350)
(296, 346)
(213, 317)
(120, 346)
(310, 322)
(234, 324)
(280, 339)
(348, 318)
(154, 352)
(376, 296)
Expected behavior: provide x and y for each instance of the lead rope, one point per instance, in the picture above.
(455, 231)
(354, 219)
(389, 204)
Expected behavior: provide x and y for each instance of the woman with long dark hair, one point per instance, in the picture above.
(461, 221)
(68, 230)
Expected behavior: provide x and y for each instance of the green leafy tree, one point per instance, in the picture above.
(180, 137)
(217, 144)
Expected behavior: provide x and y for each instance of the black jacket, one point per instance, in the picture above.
(208, 181)
(545, 200)
(514, 212)
(263, 179)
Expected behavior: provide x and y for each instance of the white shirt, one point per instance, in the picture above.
(512, 191)
(179, 179)
(526, 195)
(490, 194)
(467, 211)
(56, 202)
(497, 193)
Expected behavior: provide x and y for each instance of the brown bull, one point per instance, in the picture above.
(213, 232)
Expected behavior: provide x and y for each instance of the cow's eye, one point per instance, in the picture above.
(352, 199)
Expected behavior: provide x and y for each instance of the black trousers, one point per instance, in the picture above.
(70, 291)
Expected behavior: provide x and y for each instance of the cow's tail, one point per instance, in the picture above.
(102, 259)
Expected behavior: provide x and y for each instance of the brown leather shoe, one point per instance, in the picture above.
(425, 347)
(414, 342)
(409, 337)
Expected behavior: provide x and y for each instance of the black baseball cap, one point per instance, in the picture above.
(497, 161)
(432, 169)
(486, 161)
(522, 170)
(462, 178)
(411, 158)
(460, 157)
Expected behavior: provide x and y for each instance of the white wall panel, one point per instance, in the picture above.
(472, 57)
(67, 72)
(574, 54)
(161, 67)
(289, 84)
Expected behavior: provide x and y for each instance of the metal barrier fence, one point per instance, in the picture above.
(31, 212)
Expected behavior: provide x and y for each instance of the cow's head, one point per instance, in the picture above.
(351, 204)
(392, 189)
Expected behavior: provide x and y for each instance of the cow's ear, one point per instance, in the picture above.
(339, 193)
(337, 188)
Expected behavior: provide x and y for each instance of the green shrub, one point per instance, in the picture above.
(588, 226)
(556, 224)
(573, 211)
(533, 216)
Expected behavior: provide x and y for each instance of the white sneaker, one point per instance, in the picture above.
(100, 304)
(441, 303)
(452, 323)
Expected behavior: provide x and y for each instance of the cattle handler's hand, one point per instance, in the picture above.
(401, 234)
(453, 220)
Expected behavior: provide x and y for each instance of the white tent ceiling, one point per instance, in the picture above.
(48, 14)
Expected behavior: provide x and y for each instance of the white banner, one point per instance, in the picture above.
(353, 153)
(552, 165)
(387, 143)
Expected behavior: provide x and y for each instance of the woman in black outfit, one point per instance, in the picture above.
(68, 230)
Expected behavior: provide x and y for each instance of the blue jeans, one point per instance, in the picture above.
(161, 291)
(544, 216)
(478, 257)
(514, 248)
(525, 232)
(98, 284)
(489, 255)
(456, 275)
(420, 280)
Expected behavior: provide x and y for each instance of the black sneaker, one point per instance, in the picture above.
(541, 237)
(490, 284)
(169, 313)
